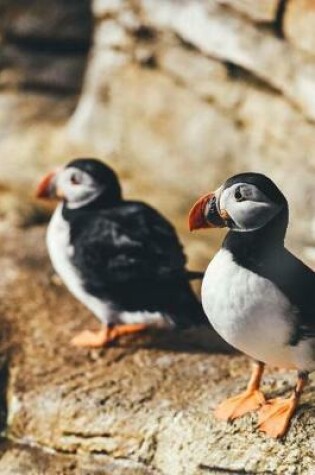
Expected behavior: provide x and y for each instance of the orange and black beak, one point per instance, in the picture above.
(46, 188)
(204, 214)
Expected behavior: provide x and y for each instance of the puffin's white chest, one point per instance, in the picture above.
(247, 310)
(61, 252)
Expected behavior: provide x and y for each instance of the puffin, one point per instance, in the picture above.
(256, 294)
(121, 259)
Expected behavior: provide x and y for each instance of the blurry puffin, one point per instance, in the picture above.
(257, 295)
(120, 258)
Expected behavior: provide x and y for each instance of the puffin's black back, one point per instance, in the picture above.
(128, 254)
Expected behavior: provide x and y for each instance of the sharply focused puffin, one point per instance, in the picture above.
(121, 259)
(257, 295)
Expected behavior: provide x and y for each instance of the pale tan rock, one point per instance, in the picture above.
(95, 109)
(146, 130)
(216, 32)
(207, 77)
(261, 11)
(109, 34)
(21, 459)
(299, 24)
(129, 19)
(102, 8)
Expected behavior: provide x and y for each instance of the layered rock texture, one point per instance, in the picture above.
(176, 95)
(143, 407)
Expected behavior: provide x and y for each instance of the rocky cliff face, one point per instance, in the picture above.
(176, 95)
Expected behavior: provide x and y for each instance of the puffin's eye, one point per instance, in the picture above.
(238, 195)
(75, 179)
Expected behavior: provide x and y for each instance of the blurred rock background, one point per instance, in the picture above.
(175, 94)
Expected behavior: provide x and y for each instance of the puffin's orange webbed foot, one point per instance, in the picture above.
(275, 416)
(121, 330)
(91, 339)
(97, 339)
(248, 401)
(237, 406)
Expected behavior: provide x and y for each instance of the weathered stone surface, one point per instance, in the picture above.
(144, 406)
(16, 459)
(30, 139)
(263, 11)
(111, 35)
(56, 21)
(21, 460)
(204, 24)
(40, 71)
(299, 24)
(44, 45)
(103, 8)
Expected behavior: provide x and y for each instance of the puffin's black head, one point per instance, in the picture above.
(81, 182)
(245, 202)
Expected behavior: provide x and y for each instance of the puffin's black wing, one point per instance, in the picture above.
(126, 242)
(297, 282)
(131, 254)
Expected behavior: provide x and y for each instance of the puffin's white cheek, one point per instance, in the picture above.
(79, 192)
(253, 215)
(80, 195)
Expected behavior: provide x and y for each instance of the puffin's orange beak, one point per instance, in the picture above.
(197, 219)
(45, 188)
(204, 214)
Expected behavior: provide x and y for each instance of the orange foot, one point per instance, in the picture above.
(237, 406)
(120, 330)
(275, 415)
(97, 339)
